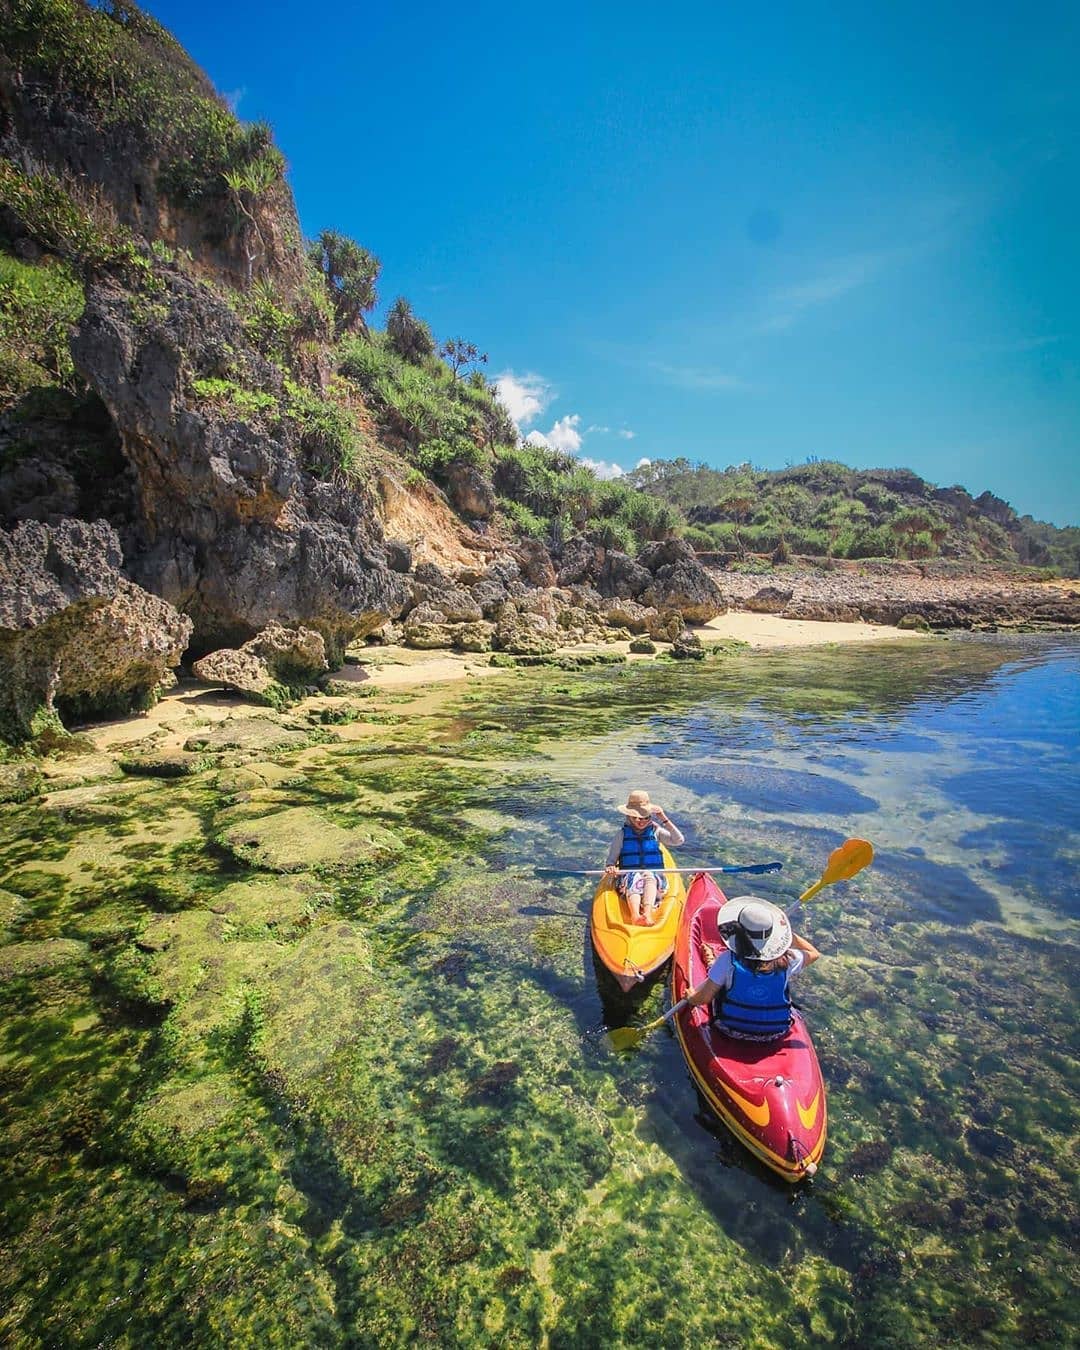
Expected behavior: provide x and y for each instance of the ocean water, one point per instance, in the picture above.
(260, 1089)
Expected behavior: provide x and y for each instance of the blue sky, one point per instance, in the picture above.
(730, 232)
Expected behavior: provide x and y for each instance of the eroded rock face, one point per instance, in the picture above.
(235, 527)
(75, 634)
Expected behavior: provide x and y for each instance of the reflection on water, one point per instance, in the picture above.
(370, 1103)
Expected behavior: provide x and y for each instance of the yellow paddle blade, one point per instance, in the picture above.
(625, 1038)
(851, 857)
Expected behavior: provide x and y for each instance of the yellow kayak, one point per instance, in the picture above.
(633, 951)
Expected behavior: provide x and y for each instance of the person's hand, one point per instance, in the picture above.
(611, 870)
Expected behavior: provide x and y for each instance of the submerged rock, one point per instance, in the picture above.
(301, 837)
(34, 958)
(255, 735)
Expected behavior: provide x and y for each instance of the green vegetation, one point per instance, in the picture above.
(548, 493)
(133, 76)
(434, 419)
(38, 304)
(69, 220)
(350, 273)
(824, 509)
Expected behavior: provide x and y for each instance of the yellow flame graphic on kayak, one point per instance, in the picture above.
(809, 1114)
(758, 1114)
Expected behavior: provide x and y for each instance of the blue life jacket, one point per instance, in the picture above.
(640, 852)
(756, 1004)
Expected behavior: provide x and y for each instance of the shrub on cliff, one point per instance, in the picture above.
(407, 334)
(350, 273)
(38, 304)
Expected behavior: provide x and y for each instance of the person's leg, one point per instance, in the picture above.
(633, 896)
(648, 898)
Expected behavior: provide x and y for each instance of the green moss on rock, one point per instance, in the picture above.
(299, 838)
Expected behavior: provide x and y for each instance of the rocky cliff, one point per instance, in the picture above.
(190, 451)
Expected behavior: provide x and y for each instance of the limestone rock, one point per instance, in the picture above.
(769, 600)
(268, 665)
(687, 647)
(470, 492)
(75, 634)
(680, 582)
(535, 563)
(621, 577)
(242, 524)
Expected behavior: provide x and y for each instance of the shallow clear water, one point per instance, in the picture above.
(369, 1104)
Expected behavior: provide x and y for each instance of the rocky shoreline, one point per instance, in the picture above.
(908, 595)
(79, 639)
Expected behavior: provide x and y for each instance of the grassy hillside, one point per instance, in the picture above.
(825, 509)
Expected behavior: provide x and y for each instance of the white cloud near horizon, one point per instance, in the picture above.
(564, 435)
(523, 396)
(603, 468)
(526, 396)
(232, 98)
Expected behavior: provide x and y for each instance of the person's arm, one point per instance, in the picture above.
(704, 993)
(809, 951)
(613, 852)
(668, 832)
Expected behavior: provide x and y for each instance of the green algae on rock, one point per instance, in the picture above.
(297, 838)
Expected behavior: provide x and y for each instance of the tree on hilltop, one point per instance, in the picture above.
(456, 352)
(409, 335)
(350, 273)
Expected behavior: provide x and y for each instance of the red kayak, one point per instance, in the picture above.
(770, 1095)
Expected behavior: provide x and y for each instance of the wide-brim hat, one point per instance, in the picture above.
(769, 938)
(638, 804)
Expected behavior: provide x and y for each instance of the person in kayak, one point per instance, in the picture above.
(748, 977)
(634, 857)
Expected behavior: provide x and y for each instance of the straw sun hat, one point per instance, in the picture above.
(638, 805)
(762, 931)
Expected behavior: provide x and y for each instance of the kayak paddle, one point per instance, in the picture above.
(758, 869)
(625, 1038)
(851, 857)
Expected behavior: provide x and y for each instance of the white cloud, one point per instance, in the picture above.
(564, 435)
(232, 98)
(600, 431)
(643, 463)
(627, 435)
(603, 469)
(523, 396)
